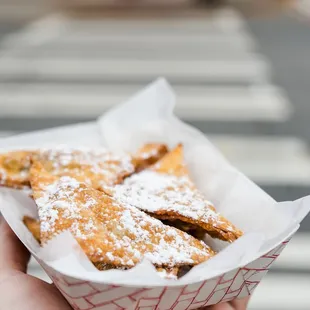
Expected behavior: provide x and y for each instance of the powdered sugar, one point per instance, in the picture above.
(152, 191)
(96, 167)
(122, 235)
(48, 209)
(166, 274)
(144, 236)
(148, 154)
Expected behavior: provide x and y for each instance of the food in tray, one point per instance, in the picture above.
(112, 234)
(14, 168)
(119, 208)
(148, 155)
(166, 191)
(96, 167)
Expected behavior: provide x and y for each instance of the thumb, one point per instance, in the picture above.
(222, 306)
(13, 254)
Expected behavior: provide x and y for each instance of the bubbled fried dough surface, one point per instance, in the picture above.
(14, 168)
(34, 227)
(148, 155)
(166, 190)
(109, 232)
(96, 167)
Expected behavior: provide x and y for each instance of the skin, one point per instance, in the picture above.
(240, 304)
(17, 289)
(21, 291)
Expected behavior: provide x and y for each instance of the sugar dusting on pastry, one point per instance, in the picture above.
(109, 231)
(152, 191)
(172, 197)
(96, 167)
(14, 168)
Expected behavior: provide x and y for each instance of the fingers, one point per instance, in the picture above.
(222, 306)
(13, 254)
(240, 304)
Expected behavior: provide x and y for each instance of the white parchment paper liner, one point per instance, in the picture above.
(147, 117)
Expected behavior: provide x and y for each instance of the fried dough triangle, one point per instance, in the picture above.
(110, 233)
(96, 167)
(14, 168)
(166, 191)
(33, 226)
(148, 155)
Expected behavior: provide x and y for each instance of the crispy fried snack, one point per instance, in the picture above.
(166, 191)
(148, 155)
(168, 273)
(14, 168)
(34, 227)
(111, 233)
(97, 168)
(193, 230)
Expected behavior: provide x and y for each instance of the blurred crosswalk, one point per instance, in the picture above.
(61, 69)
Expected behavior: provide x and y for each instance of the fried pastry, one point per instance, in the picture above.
(168, 273)
(34, 227)
(95, 167)
(193, 230)
(166, 191)
(148, 155)
(14, 168)
(111, 233)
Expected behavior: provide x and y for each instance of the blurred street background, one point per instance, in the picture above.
(241, 73)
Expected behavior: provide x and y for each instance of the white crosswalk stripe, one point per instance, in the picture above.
(141, 70)
(282, 292)
(296, 255)
(260, 103)
(265, 159)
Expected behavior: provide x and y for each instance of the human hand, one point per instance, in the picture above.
(17, 289)
(238, 304)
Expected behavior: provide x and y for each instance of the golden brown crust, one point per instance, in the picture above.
(97, 168)
(14, 168)
(193, 230)
(172, 163)
(169, 273)
(166, 191)
(219, 227)
(108, 232)
(34, 227)
(148, 155)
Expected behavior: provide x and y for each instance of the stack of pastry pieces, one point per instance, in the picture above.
(120, 208)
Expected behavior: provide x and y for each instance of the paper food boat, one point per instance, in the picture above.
(233, 273)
